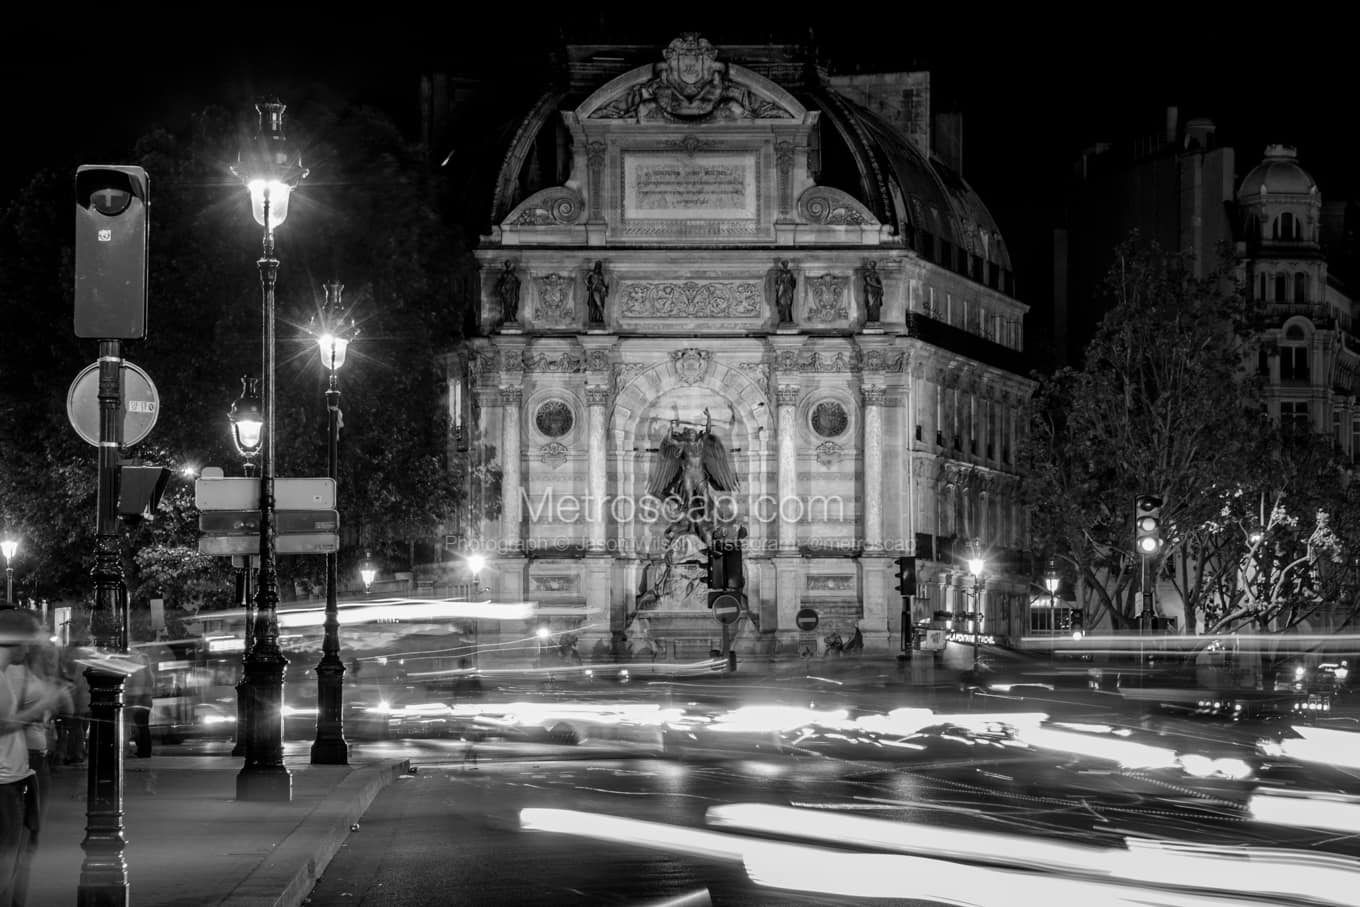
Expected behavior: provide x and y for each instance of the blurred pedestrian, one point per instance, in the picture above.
(73, 725)
(19, 807)
(138, 692)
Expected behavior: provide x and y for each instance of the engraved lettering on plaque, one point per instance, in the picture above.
(683, 187)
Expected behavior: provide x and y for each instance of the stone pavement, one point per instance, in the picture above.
(190, 842)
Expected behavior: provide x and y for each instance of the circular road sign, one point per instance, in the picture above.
(726, 608)
(806, 618)
(141, 404)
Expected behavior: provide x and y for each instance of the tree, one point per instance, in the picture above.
(368, 217)
(1162, 405)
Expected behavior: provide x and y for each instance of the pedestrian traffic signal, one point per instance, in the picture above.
(110, 264)
(906, 576)
(1147, 521)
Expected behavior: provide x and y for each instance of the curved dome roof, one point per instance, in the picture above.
(862, 154)
(1278, 174)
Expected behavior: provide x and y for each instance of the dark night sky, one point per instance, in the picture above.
(1032, 92)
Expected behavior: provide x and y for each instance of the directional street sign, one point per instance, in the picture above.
(247, 522)
(244, 494)
(296, 543)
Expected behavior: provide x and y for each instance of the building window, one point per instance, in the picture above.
(1294, 423)
(1294, 363)
(1281, 287)
(1261, 293)
(1300, 287)
(1355, 440)
(1262, 362)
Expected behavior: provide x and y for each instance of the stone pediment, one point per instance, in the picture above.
(690, 85)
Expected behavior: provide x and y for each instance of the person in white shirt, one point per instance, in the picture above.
(19, 808)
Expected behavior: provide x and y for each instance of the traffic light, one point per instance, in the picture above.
(139, 490)
(717, 563)
(734, 576)
(906, 576)
(110, 266)
(1147, 521)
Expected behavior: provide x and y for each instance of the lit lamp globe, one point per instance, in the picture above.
(476, 563)
(247, 418)
(368, 571)
(271, 169)
(9, 547)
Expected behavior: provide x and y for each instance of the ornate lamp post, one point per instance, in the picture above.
(368, 571)
(1052, 579)
(270, 170)
(334, 336)
(247, 426)
(976, 565)
(9, 547)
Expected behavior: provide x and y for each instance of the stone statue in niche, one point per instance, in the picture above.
(873, 291)
(784, 284)
(507, 289)
(597, 290)
(691, 464)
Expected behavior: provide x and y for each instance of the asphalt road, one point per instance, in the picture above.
(451, 833)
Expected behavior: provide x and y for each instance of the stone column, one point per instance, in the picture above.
(597, 400)
(510, 476)
(873, 468)
(787, 402)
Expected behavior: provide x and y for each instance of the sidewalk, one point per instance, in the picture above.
(190, 842)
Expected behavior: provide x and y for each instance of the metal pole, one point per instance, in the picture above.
(264, 777)
(9, 583)
(977, 619)
(103, 873)
(330, 747)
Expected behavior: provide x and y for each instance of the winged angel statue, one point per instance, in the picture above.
(690, 464)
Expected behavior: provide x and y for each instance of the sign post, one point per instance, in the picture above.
(110, 306)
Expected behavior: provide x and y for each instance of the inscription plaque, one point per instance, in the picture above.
(689, 187)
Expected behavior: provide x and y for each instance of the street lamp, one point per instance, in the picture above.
(333, 337)
(9, 547)
(476, 563)
(247, 428)
(1052, 579)
(975, 567)
(270, 170)
(368, 571)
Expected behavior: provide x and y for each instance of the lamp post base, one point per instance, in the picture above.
(269, 783)
(330, 752)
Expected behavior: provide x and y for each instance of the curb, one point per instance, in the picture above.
(290, 873)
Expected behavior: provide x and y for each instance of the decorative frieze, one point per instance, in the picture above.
(597, 361)
(692, 299)
(815, 362)
(833, 207)
(553, 583)
(829, 453)
(597, 396)
(511, 396)
(787, 395)
(883, 361)
(625, 372)
(874, 395)
(564, 362)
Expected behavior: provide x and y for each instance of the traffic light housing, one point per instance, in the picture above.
(110, 265)
(1147, 522)
(717, 565)
(139, 490)
(906, 576)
